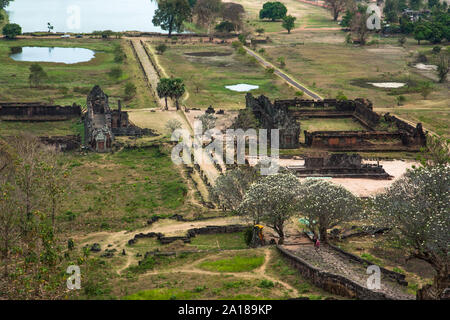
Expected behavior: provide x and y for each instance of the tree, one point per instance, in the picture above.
(421, 32)
(416, 208)
(436, 152)
(289, 23)
(49, 27)
(347, 18)
(163, 90)
(176, 90)
(234, 13)
(327, 205)
(208, 121)
(4, 3)
(225, 27)
(230, 187)
(359, 25)
(415, 4)
(171, 14)
(37, 75)
(12, 30)
(443, 67)
(207, 12)
(273, 11)
(130, 90)
(273, 200)
(391, 11)
(336, 7)
(425, 89)
(172, 125)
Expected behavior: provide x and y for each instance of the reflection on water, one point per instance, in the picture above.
(94, 15)
(52, 54)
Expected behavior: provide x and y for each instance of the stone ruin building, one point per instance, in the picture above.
(271, 117)
(382, 133)
(339, 166)
(102, 124)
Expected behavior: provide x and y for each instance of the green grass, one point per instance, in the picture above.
(161, 294)
(206, 77)
(225, 241)
(235, 264)
(123, 189)
(329, 124)
(46, 128)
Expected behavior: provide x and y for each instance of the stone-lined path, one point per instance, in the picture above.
(328, 260)
(283, 75)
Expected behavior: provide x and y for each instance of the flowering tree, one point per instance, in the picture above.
(327, 205)
(273, 200)
(231, 187)
(417, 209)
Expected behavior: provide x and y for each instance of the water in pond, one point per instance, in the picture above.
(84, 15)
(49, 54)
(387, 84)
(242, 87)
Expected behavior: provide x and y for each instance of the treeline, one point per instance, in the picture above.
(172, 15)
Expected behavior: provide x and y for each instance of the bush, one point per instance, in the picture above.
(225, 27)
(119, 55)
(236, 44)
(267, 284)
(270, 70)
(436, 49)
(130, 90)
(12, 30)
(299, 93)
(248, 235)
(115, 73)
(341, 96)
(242, 51)
(161, 48)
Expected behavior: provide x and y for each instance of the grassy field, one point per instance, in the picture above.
(333, 68)
(237, 263)
(206, 77)
(47, 128)
(122, 190)
(68, 84)
(308, 16)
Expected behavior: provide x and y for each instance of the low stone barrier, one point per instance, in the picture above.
(331, 282)
(189, 234)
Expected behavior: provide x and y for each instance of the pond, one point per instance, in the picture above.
(242, 87)
(392, 85)
(52, 54)
(80, 16)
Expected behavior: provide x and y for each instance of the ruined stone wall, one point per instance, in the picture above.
(63, 143)
(346, 139)
(410, 135)
(332, 283)
(37, 112)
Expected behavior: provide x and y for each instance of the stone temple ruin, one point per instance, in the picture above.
(339, 166)
(382, 133)
(102, 124)
(275, 118)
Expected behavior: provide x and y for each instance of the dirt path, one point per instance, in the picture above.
(328, 260)
(288, 79)
(258, 274)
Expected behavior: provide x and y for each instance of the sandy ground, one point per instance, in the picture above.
(362, 187)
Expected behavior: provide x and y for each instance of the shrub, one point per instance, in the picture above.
(161, 48)
(248, 235)
(236, 44)
(115, 73)
(12, 30)
(267, 284)
(130, 90)
(299, 93)
(119, 55)
(270, 70)
(242, 51)
(436, 49)
(341, 96)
